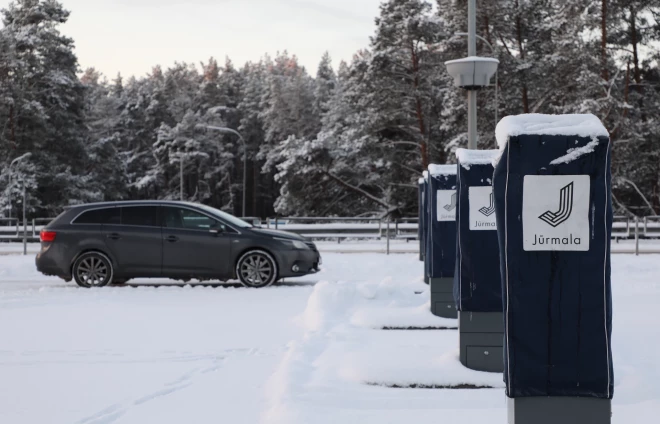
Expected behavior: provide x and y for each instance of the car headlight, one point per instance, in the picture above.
(296, 244)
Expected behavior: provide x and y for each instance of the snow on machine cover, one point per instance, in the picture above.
(477, 286)
(553, 201)
(441, 221)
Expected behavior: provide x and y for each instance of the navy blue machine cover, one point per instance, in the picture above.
(427, 247)
(442, 233)
(477, 285)
(555, 224)
(421, 231)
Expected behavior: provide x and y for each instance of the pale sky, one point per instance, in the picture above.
(131, 36)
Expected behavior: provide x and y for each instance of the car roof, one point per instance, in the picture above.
(133, 203)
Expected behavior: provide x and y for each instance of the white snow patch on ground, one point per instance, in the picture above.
(306, 351)
(339, 370)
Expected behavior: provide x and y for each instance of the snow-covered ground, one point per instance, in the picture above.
(310, 350)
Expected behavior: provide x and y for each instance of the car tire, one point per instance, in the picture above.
(92, 269)
(256, 269)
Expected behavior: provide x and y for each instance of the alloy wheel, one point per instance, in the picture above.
(93, 271)
(256, 270)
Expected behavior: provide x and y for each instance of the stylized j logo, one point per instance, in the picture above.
(490, 209)
(565, 208)
(450, 207)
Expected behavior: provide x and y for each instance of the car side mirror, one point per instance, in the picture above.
(217, 229)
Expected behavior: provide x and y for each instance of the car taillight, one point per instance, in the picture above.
(47, 236)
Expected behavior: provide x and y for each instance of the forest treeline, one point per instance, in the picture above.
(348, 141)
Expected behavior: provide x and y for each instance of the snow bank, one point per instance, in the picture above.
(436, 170)
(377, 317)
(581, 125)
(388, 303)
(413, 358)
(347, 365)
(468, 157)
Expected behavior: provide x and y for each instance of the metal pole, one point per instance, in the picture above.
(497, 100)
(24, 221)
(472, 94)
(9, 200)
(472, 119)
(244, 173)
(388, 235)
(181, 178)
(10, 196)
(236, 133)
(472, 27)
(636, 236)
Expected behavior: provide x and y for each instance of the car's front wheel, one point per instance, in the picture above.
(92, 269)
(256, 269)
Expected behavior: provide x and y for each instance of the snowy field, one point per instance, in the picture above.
(306, 351)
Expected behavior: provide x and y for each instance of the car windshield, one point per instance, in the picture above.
(225, 216)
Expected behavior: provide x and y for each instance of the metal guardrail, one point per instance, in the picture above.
(9, 227)
(621, 227)
(651, 226)
(343, 228)
(339, 228)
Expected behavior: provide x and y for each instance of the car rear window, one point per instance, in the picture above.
(143, 216)
(99, 216)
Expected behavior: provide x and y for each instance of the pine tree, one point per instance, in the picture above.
(104, 165)
(45, 116)
(325, 85)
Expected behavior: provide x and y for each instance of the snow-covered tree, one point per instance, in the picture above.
(44, 102)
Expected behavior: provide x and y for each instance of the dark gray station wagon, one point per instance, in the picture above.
(104, 243)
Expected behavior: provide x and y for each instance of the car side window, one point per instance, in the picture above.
(186, 219)
(143, 216)
(99, 216)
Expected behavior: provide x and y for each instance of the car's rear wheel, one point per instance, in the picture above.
(92, 269)
(257, 269)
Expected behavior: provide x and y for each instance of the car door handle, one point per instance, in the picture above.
(114, 236)
(172, 239)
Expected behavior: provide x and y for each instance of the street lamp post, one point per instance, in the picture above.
(472, 94)
(11, 164)
(181, 176)
(24, 220)
(472, 73)
(492, 49)
(240, 137)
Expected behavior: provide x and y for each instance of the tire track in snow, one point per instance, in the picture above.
(114, 412)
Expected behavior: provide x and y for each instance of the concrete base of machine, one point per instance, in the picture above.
(442, 297)
(481, 340)
(564, 410)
